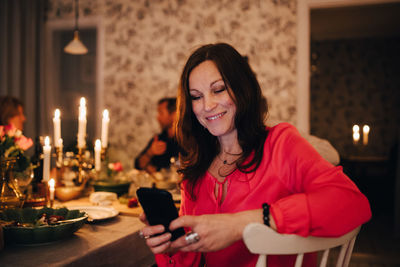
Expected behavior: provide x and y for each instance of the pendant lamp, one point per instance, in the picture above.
(76, 47)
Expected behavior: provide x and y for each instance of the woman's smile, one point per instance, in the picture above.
(211, 118)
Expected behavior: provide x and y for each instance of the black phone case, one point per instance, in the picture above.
(159, 208)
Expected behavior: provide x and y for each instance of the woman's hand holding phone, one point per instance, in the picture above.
(157, 239)
(159, 210)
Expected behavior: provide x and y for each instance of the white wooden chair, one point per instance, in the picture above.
(264, 241)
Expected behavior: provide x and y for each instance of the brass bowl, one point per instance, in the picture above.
(65, 193)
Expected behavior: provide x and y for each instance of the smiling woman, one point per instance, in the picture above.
(238, 171)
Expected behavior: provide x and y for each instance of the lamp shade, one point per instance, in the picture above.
(76, 47)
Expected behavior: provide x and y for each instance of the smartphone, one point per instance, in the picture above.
(159, 208)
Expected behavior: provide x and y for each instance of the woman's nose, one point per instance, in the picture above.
(209, 103)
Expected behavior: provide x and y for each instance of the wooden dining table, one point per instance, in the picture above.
(111, 242)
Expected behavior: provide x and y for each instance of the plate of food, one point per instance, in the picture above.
(29, 226)
(98, 213)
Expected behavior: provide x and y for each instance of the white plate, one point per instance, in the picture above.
(97, 213)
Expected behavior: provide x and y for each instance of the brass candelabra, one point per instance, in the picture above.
(79, 157)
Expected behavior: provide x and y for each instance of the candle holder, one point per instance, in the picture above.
(104, 153)
(81, 151)
(59, 158)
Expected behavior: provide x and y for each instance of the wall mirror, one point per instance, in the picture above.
(70, 77)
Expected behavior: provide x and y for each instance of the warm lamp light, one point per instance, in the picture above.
(76, 47)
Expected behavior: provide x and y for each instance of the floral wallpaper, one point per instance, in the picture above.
(148, 41)
(356, 82)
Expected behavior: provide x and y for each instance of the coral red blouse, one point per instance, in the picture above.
(307, 194)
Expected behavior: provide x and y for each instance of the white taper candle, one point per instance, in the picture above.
(52, 184)
(365, 134)
(97, 155)
(104, 128)
(46, 159)
(57, 127)
(82, 123)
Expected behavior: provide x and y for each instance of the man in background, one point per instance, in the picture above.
(162, 147)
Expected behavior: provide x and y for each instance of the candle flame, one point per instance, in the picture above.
(356, 128)
(106, 114)
(82, 102)
(356, 136)
(52, 183)
(98, 143)
(366, 129)
(47, 141)
(57, 114)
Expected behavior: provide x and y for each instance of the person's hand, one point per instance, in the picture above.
(215, 231)
(157, 244)
(157, 147)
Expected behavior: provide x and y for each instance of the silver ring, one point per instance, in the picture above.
(141, 235)
(192, 238)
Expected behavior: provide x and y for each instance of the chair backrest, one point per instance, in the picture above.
(264, 241)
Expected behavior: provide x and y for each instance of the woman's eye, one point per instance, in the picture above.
(220, 89)
(194, 97)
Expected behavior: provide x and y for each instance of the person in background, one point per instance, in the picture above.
(238, 171)
(12, 112)
(162, 147)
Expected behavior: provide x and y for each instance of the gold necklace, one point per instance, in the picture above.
(228, 173)
(225, 161)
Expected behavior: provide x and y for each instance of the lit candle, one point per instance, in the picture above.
(356, 133)
(356, 137)
(52, 184)
(57, 127)
(82, 123)
(46, 159)
(104, 128)
(97, 155)
(365, 134)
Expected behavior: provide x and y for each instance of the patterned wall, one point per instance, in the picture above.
(356, 82)
(148, 41)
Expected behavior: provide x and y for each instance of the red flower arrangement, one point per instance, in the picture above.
(13, 145)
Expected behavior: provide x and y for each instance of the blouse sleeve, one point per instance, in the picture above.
(180, 259)
(325, 202)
